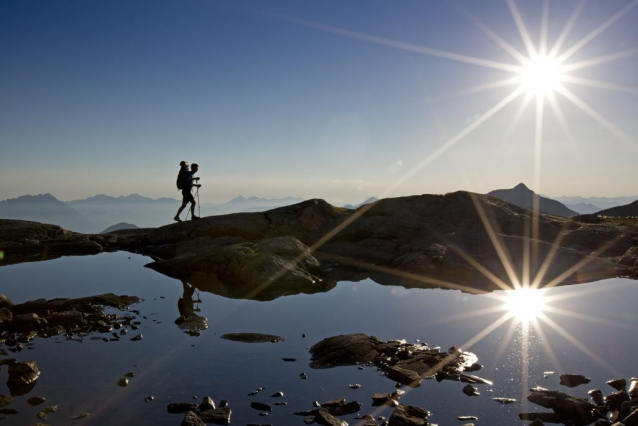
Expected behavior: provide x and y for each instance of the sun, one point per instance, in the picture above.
(542, 75)
(525, 304)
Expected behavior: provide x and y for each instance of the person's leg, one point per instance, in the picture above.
(181, 209)
(193, 209)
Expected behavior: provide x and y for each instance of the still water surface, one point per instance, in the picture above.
(597, 339)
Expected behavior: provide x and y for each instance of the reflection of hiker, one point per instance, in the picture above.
(185, 303)
(185, 180)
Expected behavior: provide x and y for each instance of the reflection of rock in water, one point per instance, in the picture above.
(255, 290)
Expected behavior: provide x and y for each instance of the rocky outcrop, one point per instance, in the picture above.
(402, 362)
(24, 241)
(417, 241)
(619, 408)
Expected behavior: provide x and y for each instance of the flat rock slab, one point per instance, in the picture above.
(347, 349)
(409, 415)
(252, 337)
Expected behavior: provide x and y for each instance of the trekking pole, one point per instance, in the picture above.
(199, 206)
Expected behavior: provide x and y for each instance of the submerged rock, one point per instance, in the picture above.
(261, 406)
(252, 337)
(42, 415)
(81, 416)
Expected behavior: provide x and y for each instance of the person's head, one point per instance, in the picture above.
(183, 164)
(194, 167)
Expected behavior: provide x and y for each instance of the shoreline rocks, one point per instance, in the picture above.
(267, 254)
(403, 362)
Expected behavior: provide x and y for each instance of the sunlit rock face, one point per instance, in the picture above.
(459, 240)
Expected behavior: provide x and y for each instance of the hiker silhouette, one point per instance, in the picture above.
(185, 183)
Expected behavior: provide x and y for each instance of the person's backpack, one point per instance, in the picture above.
(182, 178)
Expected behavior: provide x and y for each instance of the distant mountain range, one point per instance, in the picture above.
(363, 203)
(97, 214)
(600, 202)
(583, 208)
(46, 208)
(523, 197)
(622, 211)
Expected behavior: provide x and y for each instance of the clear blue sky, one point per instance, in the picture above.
(273, 98)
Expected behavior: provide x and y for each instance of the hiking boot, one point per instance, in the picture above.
(177, 219)
(195, 217)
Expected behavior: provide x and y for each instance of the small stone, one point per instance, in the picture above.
(149, 398)
(277, 395)
(81, 416)
(263, 414)
(42, 415)
(281, 403)
(223, 403)
(504, 400)
(130, 375)
(467, 418)
(35, 400)
(470, 390)
(5, 400)
(473, 367)
(573, 380)
(618, 384)
(303, 376)
(316, 404)
(290, 359)
(303, 336)
(122, 382)
(354, 386)
(260, 406)
(207, 404)
(136, 338)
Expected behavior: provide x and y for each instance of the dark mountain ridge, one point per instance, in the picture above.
(622, 211)
(523, 197)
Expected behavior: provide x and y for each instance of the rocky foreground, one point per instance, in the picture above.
(419, 241)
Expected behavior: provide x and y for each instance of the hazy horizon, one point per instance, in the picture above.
(314, 100)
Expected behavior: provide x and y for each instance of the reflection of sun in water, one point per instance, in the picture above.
(541, 75)
(525, 304)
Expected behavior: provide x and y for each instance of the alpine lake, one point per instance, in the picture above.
(520, 341)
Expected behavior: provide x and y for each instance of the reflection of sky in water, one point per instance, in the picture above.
(82, 377)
